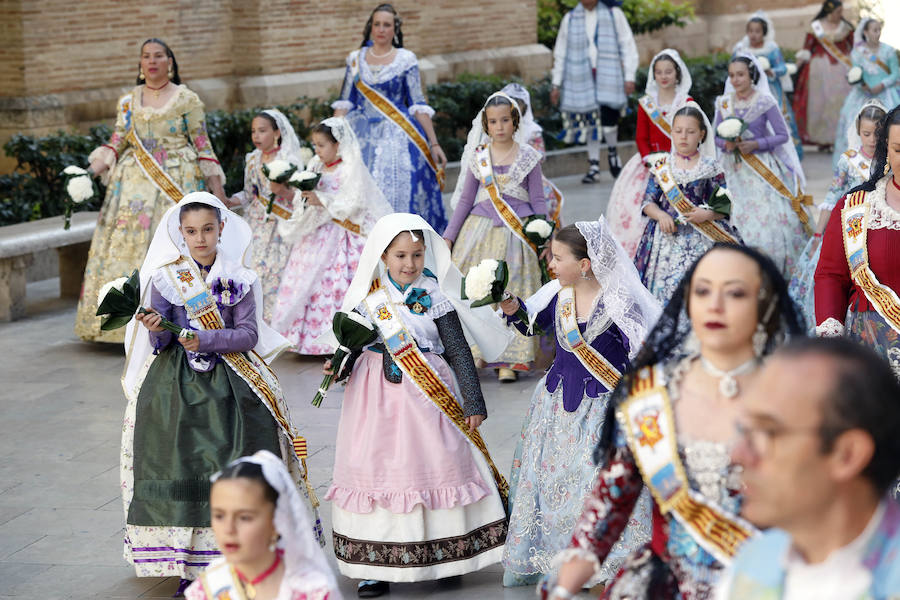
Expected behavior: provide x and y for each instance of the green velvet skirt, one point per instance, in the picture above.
(188, 425)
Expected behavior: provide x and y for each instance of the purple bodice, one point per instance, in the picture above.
(767, 142)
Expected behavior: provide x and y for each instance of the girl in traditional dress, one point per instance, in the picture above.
(822, 75)
(687, 205)
(858, 278)
(487, 221)
(760, 41)
(198, 400)
(852, 170)
(383, 101)
(263, 528)
(415, 495)
(597, 298)
(274, 139)
(667, 89)
(880, 74)
(678, 405)
(762, 168)
(158, 152)
(327, 233)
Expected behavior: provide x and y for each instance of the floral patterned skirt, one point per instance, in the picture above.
(626, 221)
(663, 258)
(802, 284)
(870, 328)
(270, 254)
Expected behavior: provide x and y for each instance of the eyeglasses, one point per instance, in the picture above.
(759, 439)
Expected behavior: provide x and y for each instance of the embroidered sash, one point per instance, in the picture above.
(854, 223)
(596, 364)
(647, 419)
(829, 45)
(859, 163)
(797, 202)
(662, 171)
(655, 114)
(389, 110)
(202, 311)
(488, 181)
(415, 366)
(152, 170)
(220, 583)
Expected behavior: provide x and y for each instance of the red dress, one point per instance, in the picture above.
(649, 137)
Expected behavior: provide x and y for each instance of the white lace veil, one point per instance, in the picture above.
(708, 146)
(290, 144)
(232, 258)
(476, 137)
(682, 89)
(853, 140)
(859, 33)
(527, 125)
(359, 185)
(624, 298)
(786, 151)
(304, 559)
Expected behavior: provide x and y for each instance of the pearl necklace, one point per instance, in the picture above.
(373, 55)
(728, 385)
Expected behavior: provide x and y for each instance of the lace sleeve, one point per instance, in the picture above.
(459, 357)
(343, 102)
(417, 101)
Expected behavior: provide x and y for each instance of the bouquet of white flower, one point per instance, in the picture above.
(306, 154)
(803, 55)
(79, 189)
(120, 299)
(764, 63)
(279, 171)
(353, 332)
(854, 75)
(305, 181)
(486, 282)
(791, 68)
(538, 230)
(730, 129)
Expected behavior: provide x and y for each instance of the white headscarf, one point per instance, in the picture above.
(290, 144)
(769, 44)
(853, 140)
(682, 89)
(304, 560)
(859, 36)
(708, 146)
(527, 125)
(232, 255)
(476, 137)
(481, 326)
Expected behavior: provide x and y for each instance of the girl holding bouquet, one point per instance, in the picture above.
(687, 205)
(415, 495)
(761, 166)
(880, 74)
(327, 231)
(274, 139)
(852, 170)
(668, 88)
(198, 400)
(597, 298)
(501, 186)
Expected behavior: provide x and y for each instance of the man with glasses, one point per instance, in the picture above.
(819, 440)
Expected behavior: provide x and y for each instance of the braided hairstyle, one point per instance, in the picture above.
(398, 33)
(176, 79)
(880, 161)
(751, 67)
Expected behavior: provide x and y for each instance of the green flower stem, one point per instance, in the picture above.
(336, 361)
(167, 324)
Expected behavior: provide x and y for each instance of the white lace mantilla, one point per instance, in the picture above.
(830, 327)
(510, 183)
(705, 168)
(756, 106)
(881, 215)
(403, 61)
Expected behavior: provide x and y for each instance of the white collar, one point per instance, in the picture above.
(849, 555)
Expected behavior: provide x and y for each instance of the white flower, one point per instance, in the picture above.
(854, 75)
(540, 227)
(653, 157)
(791, 68)
(299, 176)
(730, 128)
(723, 192)
(481, 278)
(355, 316)
(306, 154)
(803, 55)
(277, 168)
(73, 170)
(80, 188)
(764, 63)
(115, 283)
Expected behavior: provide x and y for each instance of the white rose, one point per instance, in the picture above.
(306, 154)
(277, 168)
(115, 283)
(791, 68)
(723, 192)
(854, 75)
(73, 170)
(303, 176)
(764, 63)
(355, 316)
(540, 227)
(729, 129)
(803, 55)
(80, 188)
(480, 279)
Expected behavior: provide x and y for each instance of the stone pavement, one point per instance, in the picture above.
(61, 407)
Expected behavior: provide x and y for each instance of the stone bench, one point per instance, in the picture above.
(20, 242)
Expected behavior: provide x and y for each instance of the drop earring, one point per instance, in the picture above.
(171, 72)
(759, 339)
(273, 544)
(584, 275)
(141, 73)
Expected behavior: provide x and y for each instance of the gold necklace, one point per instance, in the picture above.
(156, 91)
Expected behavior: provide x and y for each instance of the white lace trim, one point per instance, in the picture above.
(403, 61)
(705, 168)
(342, 105)
(164, 286)
(414, 109)
(881, 215)
(139, 110)
(830, 327)
(525, 161)
(756, 106)
(572, 553)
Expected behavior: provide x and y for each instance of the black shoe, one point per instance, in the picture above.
(615, 164)
(371, 588)
(593, 174)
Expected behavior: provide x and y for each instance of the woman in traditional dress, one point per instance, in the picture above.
(415, 494)
(675, 414)
(858, 279)
(264, 530)
(762, 168)
(760, 41)
(198, 400)
(880, 75)
(852, 170)
(383, 101)
(500, 186)
(687, 205)
(668, 87)
(159, 152)
(822, 75)
(274, 139)
(328, 232)
(598, 298)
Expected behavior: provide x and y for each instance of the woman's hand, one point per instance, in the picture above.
(327, 368)
(281, 190)
(629, 88)
(150, 320)
(770, 73)
(311, 198)
(97, 168)
(340, 112)
(730, 146)
(192, 344)
(554, 96)
(437, 153)
(666, 223)
(474, 422)
(510, 306)
(700, 215)
(232, 202)
(748, 146)
(546, 254)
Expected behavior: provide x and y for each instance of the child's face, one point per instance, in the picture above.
(264, 136)
(242, 520)
(686, 134)
(326, 150)
(873, 32)
(500, 122)
(755, 33)
(405, 258)
(565, 265)
(867, 130)
(739, 73)
(664, 74)
(201, 230)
